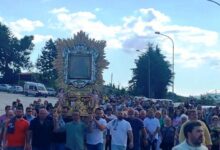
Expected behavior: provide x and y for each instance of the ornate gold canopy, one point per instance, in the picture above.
(80, 46)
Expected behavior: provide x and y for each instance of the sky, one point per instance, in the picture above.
(128, 25)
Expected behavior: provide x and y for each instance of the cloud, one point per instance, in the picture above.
(138, 29)
(1, 19)
(192, 44)
(153, 15)
(59, 10)
(87, 21)
(98, 9)
(41, 38)
(24, 25)
(193, 35)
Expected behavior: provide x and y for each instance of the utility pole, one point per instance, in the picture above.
(172, 57)
(111, 78)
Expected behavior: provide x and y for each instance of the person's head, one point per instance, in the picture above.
(19, 112)
(142, 114)
(192, 114)
(10, 114)
(34, 112)
(7, 108)
(177, 112)
(28, 111)
(98, 113)
(168, 121)
(151, 112)
(49, 107)
(131, 113)
(164, 113)
(199, 107)
(14, 104)
(215, 120)
(125, 114)
(76, 115)
(45, 103)
(65, 110)
(200, 114)
(120, 115)
(109, 110)
(39, 100)
(193, 132)
(158, 115)
(136, 113)
(183, 118)
(43, 113)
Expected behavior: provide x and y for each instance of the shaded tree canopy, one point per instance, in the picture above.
(45, 65)
(14, 54)
(152, 74)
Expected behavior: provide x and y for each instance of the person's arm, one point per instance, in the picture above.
(27, 146)
(28, 139)
(89, 126)
(208, 141)
(181, 134)
(174, 135)
(101, 126)
(56, 126)
(4, 142)
(144, 135)
(130, 137)
(1, 133)
(156, 131)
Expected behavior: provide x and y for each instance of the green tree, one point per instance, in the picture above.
(112, 90)
(14, 54)
(206, 100)
(152, 74)
(45, 64)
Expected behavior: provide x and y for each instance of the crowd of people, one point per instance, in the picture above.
(118, 123)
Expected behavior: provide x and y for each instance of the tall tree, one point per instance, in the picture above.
(45, 63)
(14, 54)
(152, 74)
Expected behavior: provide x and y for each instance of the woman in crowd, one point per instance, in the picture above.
(177, 118)
(183, 119)
(167, 135)
(215, 133)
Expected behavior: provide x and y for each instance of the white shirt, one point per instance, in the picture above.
(151, 124)
(185, 146)
(119, 131)
(96, 135)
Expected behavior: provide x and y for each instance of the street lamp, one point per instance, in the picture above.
(172, 56)
(149, 85)
(214, 2)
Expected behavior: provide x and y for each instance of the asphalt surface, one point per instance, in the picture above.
(8, 98)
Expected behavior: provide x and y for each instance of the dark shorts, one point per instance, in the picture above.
(41, 148)
(15, 148)
(98, 146)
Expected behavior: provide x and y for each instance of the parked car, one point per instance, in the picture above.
(4, 87)
(51, 92)
(35, 89)
(16, 89)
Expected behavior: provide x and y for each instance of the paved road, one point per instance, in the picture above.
(8, 98)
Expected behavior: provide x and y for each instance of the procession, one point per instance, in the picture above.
(109, 75)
